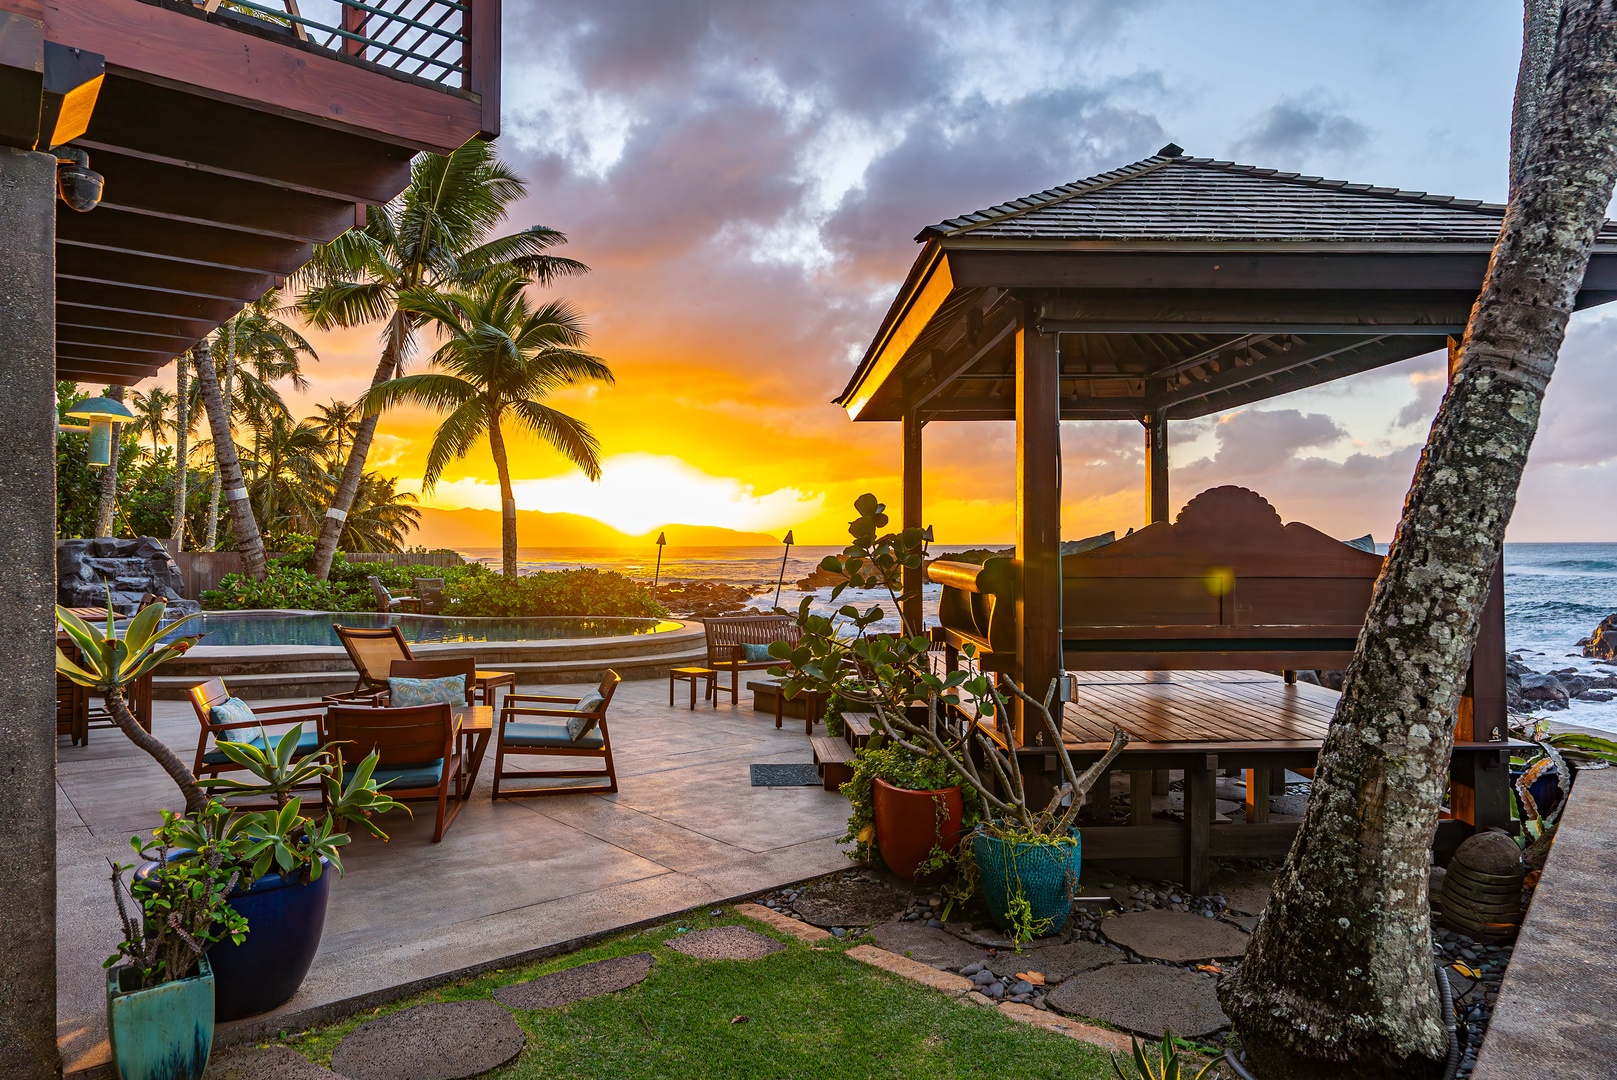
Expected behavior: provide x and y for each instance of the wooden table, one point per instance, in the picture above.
(693, 675)
(490, 681)
(474, 725)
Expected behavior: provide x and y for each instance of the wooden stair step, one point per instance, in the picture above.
(833, 758)
(856, 728)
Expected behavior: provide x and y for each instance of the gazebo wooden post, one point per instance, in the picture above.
(1156, 465)
(910, 600)
(1038, 512)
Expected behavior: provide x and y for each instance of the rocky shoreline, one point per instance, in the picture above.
(1527, 689)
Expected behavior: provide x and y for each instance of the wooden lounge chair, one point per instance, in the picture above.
(387, 602)
(204, 696)
(727, 641)
(546, 735)
(416, 744)
(373, 650)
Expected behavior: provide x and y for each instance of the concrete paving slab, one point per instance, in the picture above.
(1147, 998)
(445, 1040)
(577, 983)
(1179, 937)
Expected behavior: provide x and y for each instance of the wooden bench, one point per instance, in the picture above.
(1224, 594)
(833, 760)
(727, 638)
(856, 728)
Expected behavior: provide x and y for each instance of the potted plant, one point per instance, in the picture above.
(160, 989)
(278, 855)
(908, 810)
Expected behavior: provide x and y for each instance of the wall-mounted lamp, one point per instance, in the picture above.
(104, 415)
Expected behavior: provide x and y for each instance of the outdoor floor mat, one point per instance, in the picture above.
(784, 776)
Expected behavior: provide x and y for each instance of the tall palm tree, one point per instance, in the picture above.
(184, 419)
(290, 468)
(258, 349)
(500, 360)
(337, 421)
(434, 236)
(151, 414)
(382, 516)
(108, 500)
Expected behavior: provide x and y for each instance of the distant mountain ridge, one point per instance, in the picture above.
(467, 528)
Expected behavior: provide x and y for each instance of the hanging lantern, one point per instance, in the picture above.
(104, 415)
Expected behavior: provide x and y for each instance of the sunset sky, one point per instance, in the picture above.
(745, 178)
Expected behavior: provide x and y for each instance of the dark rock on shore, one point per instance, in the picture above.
(705, 599)
(1602, 644)
(1544, 690)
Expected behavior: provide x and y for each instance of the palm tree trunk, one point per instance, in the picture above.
(228, 469)
(118, 709)
(108, 500)
(182, 409)
(331, 526)
(218, 484)
(508, 502)
(1337, 980)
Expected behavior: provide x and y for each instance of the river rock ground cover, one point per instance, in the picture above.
(804, 1010)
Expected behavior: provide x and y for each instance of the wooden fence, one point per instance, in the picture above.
(203, 570)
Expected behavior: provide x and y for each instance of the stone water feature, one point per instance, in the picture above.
(84, 569)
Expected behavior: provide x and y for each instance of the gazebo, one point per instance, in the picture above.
(1168, 289)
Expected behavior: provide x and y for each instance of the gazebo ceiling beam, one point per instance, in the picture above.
(1253, 329)
(943, 378)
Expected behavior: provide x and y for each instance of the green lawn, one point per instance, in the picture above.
(810, 1013)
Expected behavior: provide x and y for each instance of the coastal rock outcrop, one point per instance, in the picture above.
(705, 599)
(1602, 644)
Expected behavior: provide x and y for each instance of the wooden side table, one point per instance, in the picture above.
(692, 675)
(488, 682)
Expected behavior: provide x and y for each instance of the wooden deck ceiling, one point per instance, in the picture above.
(231, 146)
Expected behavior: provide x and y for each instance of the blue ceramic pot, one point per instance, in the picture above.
(284, 922)
(1046, 874)
(285, 918)
(164, 1033)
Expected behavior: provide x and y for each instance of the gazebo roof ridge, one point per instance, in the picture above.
(1178, 211)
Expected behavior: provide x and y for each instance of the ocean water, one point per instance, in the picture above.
(1555, 594)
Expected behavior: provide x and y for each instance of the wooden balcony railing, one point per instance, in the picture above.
(424, 40)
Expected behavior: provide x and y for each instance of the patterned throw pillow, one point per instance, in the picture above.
(232, 711)
(755, 653)
(580, 726)
(449, 690)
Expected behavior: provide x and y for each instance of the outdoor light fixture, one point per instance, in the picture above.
(104, 415)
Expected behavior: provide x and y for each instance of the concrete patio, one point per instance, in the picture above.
(511, 879)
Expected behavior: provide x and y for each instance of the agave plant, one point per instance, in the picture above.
(1167, 1066)
(109, 663)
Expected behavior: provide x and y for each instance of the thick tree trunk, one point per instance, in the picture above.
(331, 526)
(107, 502)
(1541, 22)
(118, 708)
(248, 541)
(1338, 978)
(218, 486)
(508, 502)
(182, 448)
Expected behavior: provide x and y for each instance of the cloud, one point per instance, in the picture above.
(1294, 128)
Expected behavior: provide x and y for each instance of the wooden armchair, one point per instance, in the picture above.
(204, 696)
(416, 745)
(387, 602)
(547, 736)
(444, 668)
(375, 649)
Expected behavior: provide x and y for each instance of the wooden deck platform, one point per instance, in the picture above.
(1190, 711)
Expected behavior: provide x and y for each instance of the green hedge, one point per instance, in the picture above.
(470, 590)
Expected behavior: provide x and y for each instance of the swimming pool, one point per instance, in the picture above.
(226, 628)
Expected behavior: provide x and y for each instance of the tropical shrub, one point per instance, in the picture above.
(554, 592)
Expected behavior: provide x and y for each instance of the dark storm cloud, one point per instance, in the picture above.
(1295, 127)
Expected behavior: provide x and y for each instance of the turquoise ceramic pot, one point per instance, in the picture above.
(164, 1033)
(1047, 874)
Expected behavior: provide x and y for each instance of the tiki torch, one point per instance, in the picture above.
(782, 576)
(662, 541)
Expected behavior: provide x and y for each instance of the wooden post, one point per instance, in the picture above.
(1156, 466)
(1038, 512)
(1259, 784)
(1200, 787)
(911, 599)
(1140, 796)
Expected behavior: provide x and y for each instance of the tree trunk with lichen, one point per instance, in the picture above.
(107, 496)
(1338, 980)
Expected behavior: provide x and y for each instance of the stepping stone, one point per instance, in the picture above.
(992, 937)
(1248, 923)
(1247, 891)
(1176, 936)
(445, 1040)
(265, 1063)
(1146, 998)
(725, 943)
(577, 983)
(1058, 963)
(855, 902)
(927, 944)
(1288, 805)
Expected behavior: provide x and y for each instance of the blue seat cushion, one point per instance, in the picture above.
(308, 743)
(401, 777)
(538, 735)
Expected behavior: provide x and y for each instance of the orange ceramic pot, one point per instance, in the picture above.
(910, 824)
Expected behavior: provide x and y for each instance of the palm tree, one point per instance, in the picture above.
(290, 469)
(382, 516)
(151, 414)
(258, 350)
(108, 499)
(184, 421)
(434, 236)
(499, 361)
(337, 421)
